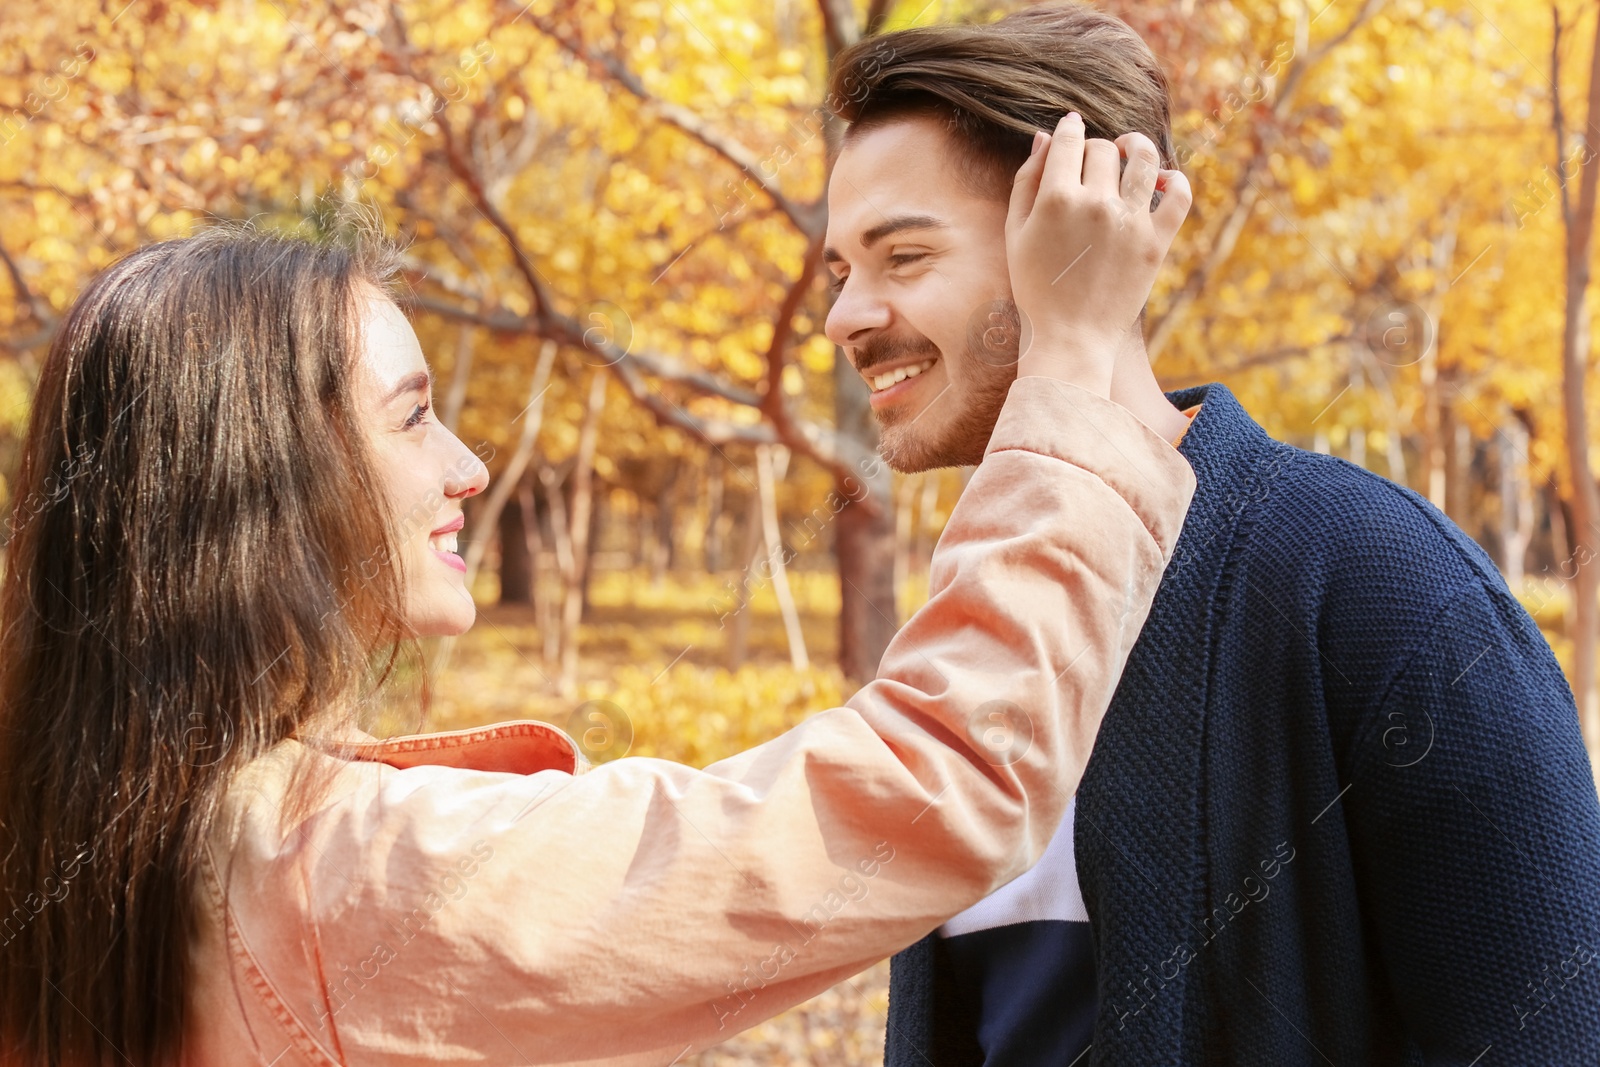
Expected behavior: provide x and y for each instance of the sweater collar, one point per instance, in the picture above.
(1234, 462)
(1219, 430)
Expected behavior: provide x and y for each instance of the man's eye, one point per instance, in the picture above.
(904, 258)
(836, 285)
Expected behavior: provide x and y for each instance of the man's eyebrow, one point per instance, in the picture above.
(421, 381)
(898, 224)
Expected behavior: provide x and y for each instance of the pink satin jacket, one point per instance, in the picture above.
(482, 897)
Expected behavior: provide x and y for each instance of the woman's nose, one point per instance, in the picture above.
(467, 476)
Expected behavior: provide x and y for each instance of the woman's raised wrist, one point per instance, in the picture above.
(1082, 360)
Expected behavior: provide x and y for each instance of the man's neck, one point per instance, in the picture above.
(1134, 386)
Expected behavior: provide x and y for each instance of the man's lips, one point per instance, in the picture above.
(898, 391)
(889, 366)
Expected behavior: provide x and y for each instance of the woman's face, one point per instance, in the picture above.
(426, 470)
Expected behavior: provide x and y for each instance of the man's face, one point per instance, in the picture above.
(924, 295)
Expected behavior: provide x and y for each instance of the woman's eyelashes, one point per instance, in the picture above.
(418, 414)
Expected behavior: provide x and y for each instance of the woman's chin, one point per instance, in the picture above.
(449, 620)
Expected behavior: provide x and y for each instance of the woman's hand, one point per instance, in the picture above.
(1084, 247)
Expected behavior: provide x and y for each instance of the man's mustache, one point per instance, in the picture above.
(880, 350)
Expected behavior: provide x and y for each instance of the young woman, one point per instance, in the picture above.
(233, 496)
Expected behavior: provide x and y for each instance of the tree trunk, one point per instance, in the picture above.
(561, 537)
(501, 489)
(1356, 439)
(599, 523)
(1584, 530)
(532, 543)
(749, 582)
(1458, 467)
(1435, 379)
(767, 473)
(1556, 506)
(863, 542)
(582, 507)
(714, 518)
(456, 396)
(1516, 503)
(1394, 434)
(664, 548)
(516, 566)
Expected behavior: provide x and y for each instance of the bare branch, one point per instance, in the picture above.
(772, 404)
(712, 432)
(837, 453)
(1245, 192)
(448, 282)
(1261, 359)
(1361, 17)
(456, 158)
(25, 294)
(568, 331)
(807, 218)
(464, 170)
(29, 342)
(839, 27)
(1557, 118)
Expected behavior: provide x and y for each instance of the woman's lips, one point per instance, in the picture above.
(450, 559)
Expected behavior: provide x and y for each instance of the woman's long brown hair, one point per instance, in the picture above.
(198, 565)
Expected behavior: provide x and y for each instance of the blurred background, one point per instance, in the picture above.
(611, 210)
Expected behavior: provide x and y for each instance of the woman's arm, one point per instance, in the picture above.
(644, 908)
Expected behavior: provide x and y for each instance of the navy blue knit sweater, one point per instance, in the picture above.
(1334, 673)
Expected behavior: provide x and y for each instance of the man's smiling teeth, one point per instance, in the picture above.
(443, 543)
(899, 374)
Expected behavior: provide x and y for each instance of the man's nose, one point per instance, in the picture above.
(856, 315)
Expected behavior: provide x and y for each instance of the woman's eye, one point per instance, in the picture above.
(418, 413)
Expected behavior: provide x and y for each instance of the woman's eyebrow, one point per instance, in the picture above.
(421, 381)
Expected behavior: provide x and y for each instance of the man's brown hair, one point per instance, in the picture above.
(994, 84)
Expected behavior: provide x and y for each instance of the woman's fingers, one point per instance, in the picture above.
(1063, 166)
(1102, 164)
(1025, 186)
(1176, 197)
(1073, 208)
(1139, 176)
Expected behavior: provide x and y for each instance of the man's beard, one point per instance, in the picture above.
(990, 362)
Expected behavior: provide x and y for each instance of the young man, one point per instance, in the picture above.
(1339, 810)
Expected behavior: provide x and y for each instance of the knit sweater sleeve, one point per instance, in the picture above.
(1475, 830)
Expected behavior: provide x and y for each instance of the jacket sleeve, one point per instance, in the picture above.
(1475, 827)
(645, 909)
